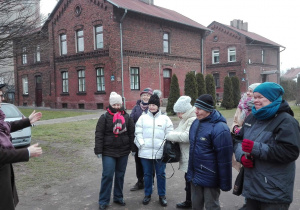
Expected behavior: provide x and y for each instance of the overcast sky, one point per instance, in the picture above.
(277, 20)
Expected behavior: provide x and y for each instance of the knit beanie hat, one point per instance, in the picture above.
(154, 99)
(205, 102)
(254, 85)
(147, 90)
(183, 104)
(115, 98)
(270, 90)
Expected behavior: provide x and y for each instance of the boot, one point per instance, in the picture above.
(184, 205)
(163, 200)
(138, 186)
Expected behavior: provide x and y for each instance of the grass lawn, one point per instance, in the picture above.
(53, 114)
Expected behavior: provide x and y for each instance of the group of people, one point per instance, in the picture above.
(264, 139)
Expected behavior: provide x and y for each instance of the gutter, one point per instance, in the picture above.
(122, 62)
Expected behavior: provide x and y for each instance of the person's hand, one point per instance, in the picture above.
(35, 150)
(247, 162)
(99, 155)
(236, 130)
(133, 153)
(247, 145)
(35, 116)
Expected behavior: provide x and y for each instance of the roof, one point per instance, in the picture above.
(156, 11)
(292, 73)
(251, 35)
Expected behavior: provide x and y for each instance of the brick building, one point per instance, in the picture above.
(235, 51)
(93, 47)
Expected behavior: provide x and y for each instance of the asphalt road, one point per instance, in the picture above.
(82, 192)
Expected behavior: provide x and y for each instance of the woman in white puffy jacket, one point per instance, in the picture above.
(186, 113)
(150, 131)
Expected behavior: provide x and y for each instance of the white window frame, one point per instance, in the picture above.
(98, 37)
(81, 80)
(63, 44)
(263, 54)
(215, 54)
(24, 55)
(37, 54)
(100, 79)
(134, 78)
(25, 85)
(231, 54)
(65, 81)
(79, 41)
(216, 77)
(166, 42)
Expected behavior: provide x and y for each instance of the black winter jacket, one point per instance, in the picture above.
(109, 144)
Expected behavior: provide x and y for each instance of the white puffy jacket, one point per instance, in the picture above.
(150, 132)
(181, 135)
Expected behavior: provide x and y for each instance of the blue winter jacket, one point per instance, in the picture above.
(210, 153)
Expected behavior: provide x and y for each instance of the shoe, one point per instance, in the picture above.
(102, 207)
(146, 199)
(184, 205)
(120, 202)
(163, 200)
(137, 186)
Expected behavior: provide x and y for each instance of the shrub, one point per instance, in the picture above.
(210, 86)
(227, 102)
(201, 84)
(190, 86)
(289, 87)
(236, 92)
(174, 94)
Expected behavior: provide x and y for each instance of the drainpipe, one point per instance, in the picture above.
(202, 70)
(122, 68)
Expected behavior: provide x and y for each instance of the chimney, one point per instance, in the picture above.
(150, 2)
(239, 24)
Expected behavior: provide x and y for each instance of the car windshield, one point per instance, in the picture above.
(10, 111)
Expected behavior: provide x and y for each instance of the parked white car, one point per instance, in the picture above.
(22, 137)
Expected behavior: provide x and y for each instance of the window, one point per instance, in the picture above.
(98, 37)
(217, 79)
(215, 56)
(231, 55)
(81, 81)
(80, 41)
(135, 78)
(100, 79)
(63, 44)
(65, 82)
(231, 74)
(24, 56)
(25, 85)
(37, 54)
(263, 56)
(166, 43)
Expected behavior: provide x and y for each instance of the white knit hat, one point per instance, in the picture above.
(254, 85)
(183, 104)
(115, 98)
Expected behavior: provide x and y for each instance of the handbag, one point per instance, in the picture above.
(171, 152)
(238, 184)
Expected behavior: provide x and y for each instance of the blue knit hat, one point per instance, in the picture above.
(270, 90)
(205, 102)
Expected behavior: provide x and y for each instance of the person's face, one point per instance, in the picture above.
(145, 97)
(201, 114)
(250, 93)
(179, 115)
(117, 106)
(153, 108)
(260, 101)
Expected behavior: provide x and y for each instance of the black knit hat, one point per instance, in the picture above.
(154, 99)
(205, 102)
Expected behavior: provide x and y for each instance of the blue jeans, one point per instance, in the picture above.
(160, 169)
(112, 167)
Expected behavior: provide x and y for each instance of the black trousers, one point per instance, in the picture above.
(187, 189)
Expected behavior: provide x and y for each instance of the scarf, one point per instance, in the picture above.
(268, 111)
(119, 125)
(143, 105)
(245, 105)
(4, 133)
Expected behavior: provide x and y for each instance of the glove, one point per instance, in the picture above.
(99, 155)
(133, 153)
(247, 162)
(247, 145)
(236, 130)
